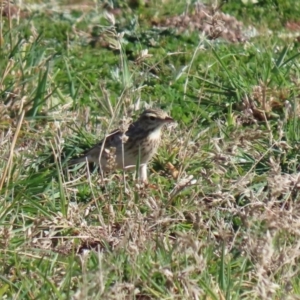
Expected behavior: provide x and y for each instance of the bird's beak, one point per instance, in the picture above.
(169, 120)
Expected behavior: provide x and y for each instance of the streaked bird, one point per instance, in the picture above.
(124, 150)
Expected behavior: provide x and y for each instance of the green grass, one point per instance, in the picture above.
(219, 219)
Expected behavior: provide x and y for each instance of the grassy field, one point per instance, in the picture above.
(220, 218)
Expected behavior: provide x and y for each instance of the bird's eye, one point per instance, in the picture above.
(152, 118)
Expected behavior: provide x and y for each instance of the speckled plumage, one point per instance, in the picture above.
(122, 150)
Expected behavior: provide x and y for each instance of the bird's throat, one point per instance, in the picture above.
(155, 134)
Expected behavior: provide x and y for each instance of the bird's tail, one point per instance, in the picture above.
(78, 160)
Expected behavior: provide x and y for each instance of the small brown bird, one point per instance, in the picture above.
(124, 150)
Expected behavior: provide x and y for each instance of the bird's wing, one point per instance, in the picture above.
(111, 140)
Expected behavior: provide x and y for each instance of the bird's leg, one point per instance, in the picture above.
(143, 173)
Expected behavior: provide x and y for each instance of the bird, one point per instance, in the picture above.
(136, 145)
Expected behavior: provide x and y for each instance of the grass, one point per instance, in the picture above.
(220, 218)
